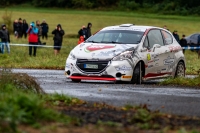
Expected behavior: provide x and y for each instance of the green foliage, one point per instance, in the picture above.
(179, 7)
(25, 107)
(82, 4)
(7, 20)
(192, 82)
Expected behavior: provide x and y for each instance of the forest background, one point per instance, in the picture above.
(170, 7)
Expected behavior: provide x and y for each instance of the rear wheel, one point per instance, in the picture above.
(137, 75)
(180, 70)
(76, 80)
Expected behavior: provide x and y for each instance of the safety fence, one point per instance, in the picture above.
(48, 46)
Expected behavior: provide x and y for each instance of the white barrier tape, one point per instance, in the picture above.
(191, 47)
(46, 46)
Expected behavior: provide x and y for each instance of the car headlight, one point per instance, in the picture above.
(123, 56)
(72, 56)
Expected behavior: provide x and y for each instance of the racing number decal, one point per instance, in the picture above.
(148, 57)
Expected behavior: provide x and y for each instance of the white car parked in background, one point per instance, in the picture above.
(126, 52)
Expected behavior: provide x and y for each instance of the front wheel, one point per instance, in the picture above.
(180, 70)
(137, 75)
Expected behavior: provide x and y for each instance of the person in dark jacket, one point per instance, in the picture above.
(83, 33)
(89, 26)
(58, 38)
(25, 28)
(16, 28)
(33, 38)
(176, 36)
(183, 42)
(5, 38)
(20, 28)
(45, 29)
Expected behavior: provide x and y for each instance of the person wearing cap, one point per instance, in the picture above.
(5, 38)
(183, 42)
(33, 38)
(176, 36)
(58, 38)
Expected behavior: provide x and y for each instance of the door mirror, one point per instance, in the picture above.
(144, 49)
(156, 46)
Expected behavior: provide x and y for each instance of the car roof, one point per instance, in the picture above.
(192, 34)
(133, 27)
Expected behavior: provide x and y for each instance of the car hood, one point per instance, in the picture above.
(100, 51)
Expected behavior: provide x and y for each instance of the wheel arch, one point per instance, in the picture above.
(142, 67)
(181, 60)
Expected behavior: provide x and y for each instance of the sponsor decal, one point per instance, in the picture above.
(81, 45)
(67, 65)
(156, 60)
(108, 53)
(156, 64)
(123, 68)
(92, 48)
(158, 71)
(148, 57)
(151, 61)
(150, 66)
(126, 77)
(168, 61)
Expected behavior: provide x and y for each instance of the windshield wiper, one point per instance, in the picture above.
(110, 42)
(93, 41)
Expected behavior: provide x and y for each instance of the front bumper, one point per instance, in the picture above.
(113, 71)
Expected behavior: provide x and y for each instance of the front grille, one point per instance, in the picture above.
(102, 64)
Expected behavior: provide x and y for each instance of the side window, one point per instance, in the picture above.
(155, 37)
(167, 37)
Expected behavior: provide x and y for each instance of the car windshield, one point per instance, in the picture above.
(117, 36)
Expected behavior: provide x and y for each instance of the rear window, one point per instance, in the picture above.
(117, 36)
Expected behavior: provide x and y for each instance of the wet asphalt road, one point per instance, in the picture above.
(172, 100)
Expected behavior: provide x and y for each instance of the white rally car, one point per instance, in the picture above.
(126, 52)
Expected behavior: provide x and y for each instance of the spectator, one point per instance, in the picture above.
(20, 30)
(45, 29)
(83, 32)
(58, 38)
(165, 27)
(89, 30)
(33, 38)
(25, 28)
(16, 28)
(5, 38)
(183, 42)
(176, 36)
(39, 31)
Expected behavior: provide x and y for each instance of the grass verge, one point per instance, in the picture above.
(24, 107)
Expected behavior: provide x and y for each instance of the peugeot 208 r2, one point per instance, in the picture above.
(126, 52)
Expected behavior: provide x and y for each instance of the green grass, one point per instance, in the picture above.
(72, 21)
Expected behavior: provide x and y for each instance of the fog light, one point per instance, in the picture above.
(68, 72)
(118, 75)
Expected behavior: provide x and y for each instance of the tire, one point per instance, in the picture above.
(180, 70)
(137, 75)
(76, 80)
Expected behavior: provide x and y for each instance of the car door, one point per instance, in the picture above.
(156, 54)
(171, 49)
